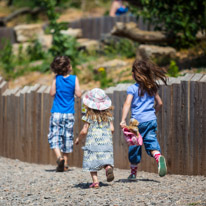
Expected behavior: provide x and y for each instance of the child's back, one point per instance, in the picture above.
(64, 97)
(63, 89)
(98, 129)
(142, 107)
(141, 97)
(98, 149)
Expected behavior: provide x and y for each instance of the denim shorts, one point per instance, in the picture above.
(61, 132)
(148, 132)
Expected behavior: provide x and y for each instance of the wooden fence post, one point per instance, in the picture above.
(194, 122)
(184, 123)
(39, 124)
(202, 127)
(23, 124)
(5, 121)
(3, 87)
(47, 103)
(11, 123)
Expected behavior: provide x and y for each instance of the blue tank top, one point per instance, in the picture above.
(121, 10)
(64, 97)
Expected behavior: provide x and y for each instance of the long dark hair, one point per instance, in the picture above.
(146, 75)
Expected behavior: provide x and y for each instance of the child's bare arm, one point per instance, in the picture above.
(125, 109)
(78, 92)
(113, 9)
(112, 127)
(83, 133)
(53, 88)
(158, 102)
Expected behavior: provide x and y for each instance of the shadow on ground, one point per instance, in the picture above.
(54, 170)
(137, 180)
(86, 185)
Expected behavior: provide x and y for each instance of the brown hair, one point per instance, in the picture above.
(61, 65)
(99, 115)
(146, 75)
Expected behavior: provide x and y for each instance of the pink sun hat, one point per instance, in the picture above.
(97, 99)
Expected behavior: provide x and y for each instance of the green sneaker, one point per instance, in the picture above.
(162, 168)
(132, 177)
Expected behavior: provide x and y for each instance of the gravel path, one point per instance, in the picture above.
(31, 184)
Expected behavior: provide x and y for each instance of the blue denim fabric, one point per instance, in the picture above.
(148, 132)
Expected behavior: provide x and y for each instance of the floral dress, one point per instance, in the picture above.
(98, 149)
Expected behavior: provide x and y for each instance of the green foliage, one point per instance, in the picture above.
(24, 61)
(6, 57)
(23, 3)
(180, 20)
(123, 47)
(102, 77)
(35, 51)
(66, 45)
(173, 70)
(61, 44)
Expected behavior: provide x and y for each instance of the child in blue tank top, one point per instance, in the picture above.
(64, 88)
(118, 8)
(141, 97)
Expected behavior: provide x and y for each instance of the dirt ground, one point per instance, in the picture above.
(32, 184)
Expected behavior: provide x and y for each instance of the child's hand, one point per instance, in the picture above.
(77, 141)
(123, 124)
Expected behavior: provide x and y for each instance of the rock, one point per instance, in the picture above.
(131, 31)
(116, 63)
(36, 63)
(46, 41)
(77, 33)
(88, 45)
(108, 38)
(158, 52)
(29, 32)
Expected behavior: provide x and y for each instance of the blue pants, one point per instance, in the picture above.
(148, 132)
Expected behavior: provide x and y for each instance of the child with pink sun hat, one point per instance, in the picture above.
(98, 129)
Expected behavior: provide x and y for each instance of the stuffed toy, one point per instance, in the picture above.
(131, 133)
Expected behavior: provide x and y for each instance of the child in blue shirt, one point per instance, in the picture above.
(118, 8)
(64, 88)
(145, 102)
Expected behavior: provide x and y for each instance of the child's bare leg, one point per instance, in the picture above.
(57, 152)
(107, 167)
(60, 160)
(66, 155)
(95, 183)
(94, 177)
(153, 152)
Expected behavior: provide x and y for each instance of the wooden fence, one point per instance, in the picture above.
(6, 34)
(24, 124)
(92, 28)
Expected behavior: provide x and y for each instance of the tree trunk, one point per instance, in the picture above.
(26, 10)
(131, 31)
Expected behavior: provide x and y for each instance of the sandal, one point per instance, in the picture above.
(60, 163)
(109, 174)
(94, 185)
